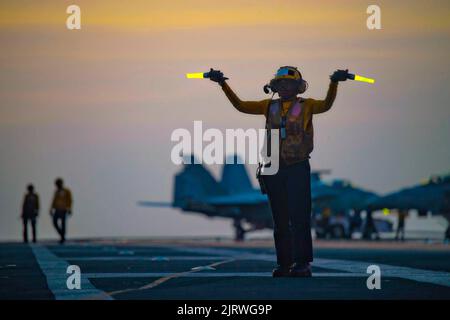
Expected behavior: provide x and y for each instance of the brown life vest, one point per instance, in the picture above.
(297, 144)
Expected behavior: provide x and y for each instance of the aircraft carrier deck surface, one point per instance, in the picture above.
(207, 269)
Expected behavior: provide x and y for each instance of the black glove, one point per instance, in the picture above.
(216, 76)
(339, 75)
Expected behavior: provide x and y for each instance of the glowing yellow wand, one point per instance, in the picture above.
(356, 77)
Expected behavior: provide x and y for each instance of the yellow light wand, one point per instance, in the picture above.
(356, 77)
(196, 75)
(216, 74)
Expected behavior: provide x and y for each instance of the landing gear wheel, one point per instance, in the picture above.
(239, 232)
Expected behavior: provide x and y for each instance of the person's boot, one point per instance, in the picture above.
(302, 270)
(280, 271)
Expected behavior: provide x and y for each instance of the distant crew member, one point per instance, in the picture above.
(400, 234)
(30, 212)
(370, 228)
(325, 222)
(355, 222)
(61, 207)
(289, 190)
(446, 214)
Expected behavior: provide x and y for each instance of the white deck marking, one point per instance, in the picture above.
(420, 275)
(426, 276)
(167, 277)
(213, 275)
(350, 268)
(146, 258)
(55, 268)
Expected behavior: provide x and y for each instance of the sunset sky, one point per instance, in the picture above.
(97, 106)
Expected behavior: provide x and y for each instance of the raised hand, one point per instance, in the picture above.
(339, 75)
(216, 76)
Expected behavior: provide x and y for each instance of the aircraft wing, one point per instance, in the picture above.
(322, 193)
(155, 204)
(426, 198)
(253, 198)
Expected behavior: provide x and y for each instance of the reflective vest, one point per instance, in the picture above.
(297, 144)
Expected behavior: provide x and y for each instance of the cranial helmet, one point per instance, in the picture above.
(288, 72)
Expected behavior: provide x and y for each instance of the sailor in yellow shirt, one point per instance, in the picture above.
(289, 190)
(60, 208)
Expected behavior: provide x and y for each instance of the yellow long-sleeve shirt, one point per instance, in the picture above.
(311, 106)
(62, 199)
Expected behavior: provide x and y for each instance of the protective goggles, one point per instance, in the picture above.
(285, 72)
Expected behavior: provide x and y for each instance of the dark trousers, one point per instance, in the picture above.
(370, 229)
(289, 192)
(59, 222)
(400, 230)
(32, 221)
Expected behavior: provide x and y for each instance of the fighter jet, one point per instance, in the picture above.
(349, 196)
(432, 195)
(234, 197)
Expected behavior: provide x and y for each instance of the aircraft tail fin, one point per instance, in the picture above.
(194, 183)
(235, 178)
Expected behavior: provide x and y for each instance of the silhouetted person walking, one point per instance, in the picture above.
(61, 207)
(30, 211)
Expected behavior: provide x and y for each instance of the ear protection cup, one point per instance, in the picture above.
(303, 86)
(272, 86)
